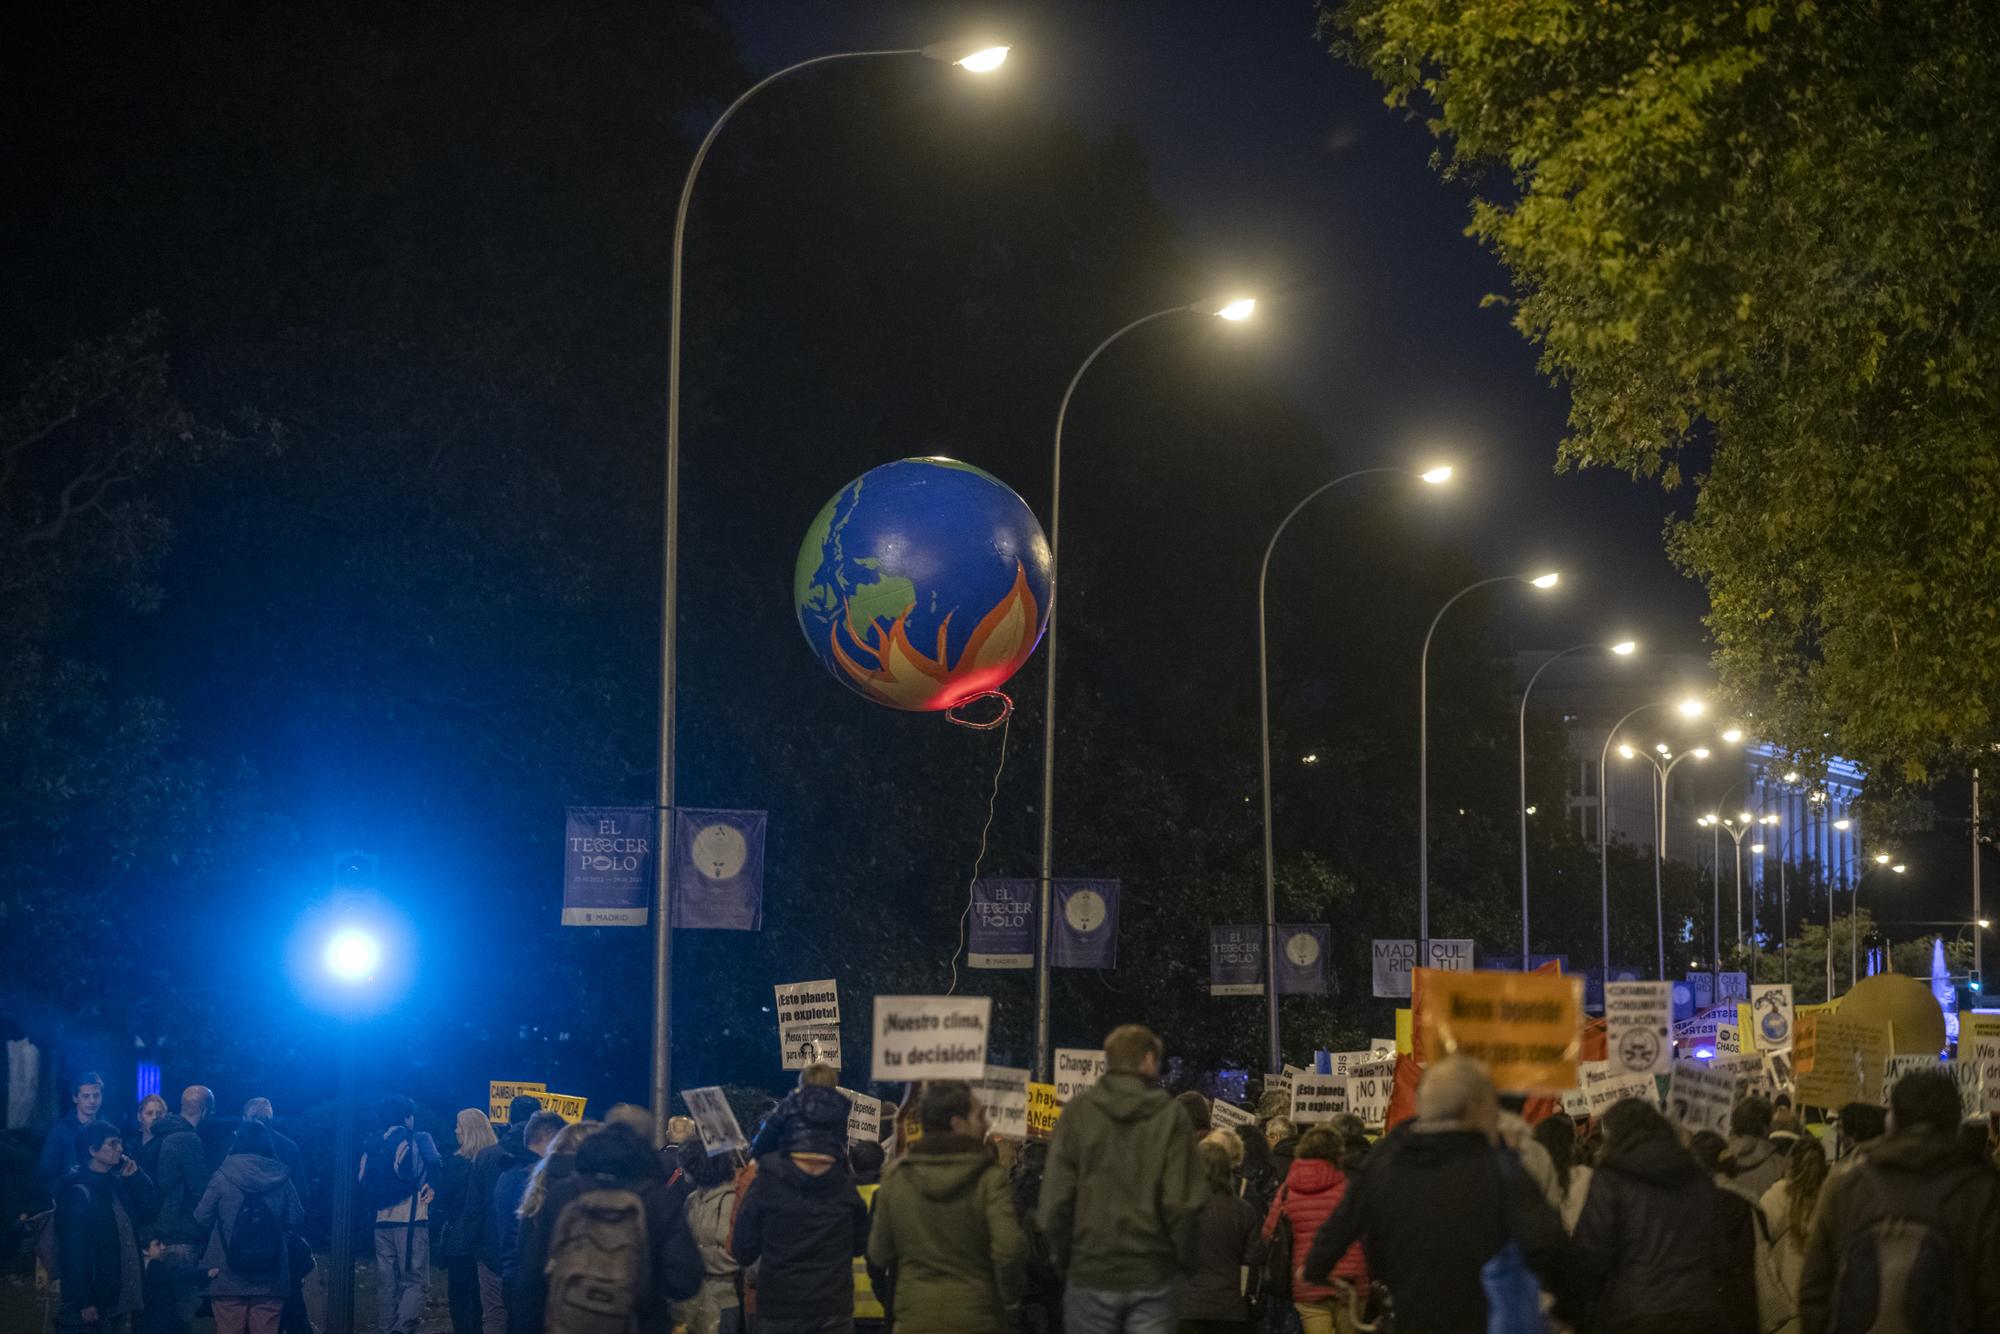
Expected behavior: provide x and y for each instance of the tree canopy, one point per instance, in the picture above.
(1757, 242)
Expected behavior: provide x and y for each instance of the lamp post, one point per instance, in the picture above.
(1737, 827)
(1664, 764)
(1854, 915)
(1539, 581)
(1232, 312)
(978, 60)
(1434, 477)
(351, 957)
(1623, 649)
(1690, 708)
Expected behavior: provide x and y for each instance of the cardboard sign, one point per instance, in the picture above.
(1638, 1026)
(500, 1094)
(1003, 1090)
(1393, 960)
(1318, 1098)
(1526, 1027)
(714, 1119)
(1227, 1115)
(1077, 1068)
(930, 1037)
(1805, 1042)
(1368, 1090)
(1985, 1067)
(864, 1117)
(1603, 1088)
(1699, 1098)
(808, 1024)
(1771, 1016)
(1848, 1059)
(1043, 1109)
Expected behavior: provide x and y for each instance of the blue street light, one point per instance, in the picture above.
(352, 955)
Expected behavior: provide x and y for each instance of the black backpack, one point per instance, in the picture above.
(1900, 1272)
(256, 1244)
(395, 1171)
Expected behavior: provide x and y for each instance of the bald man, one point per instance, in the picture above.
(185, 1167)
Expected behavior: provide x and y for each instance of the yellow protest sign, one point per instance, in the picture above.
(1526, 1027)
(1405, 1031)
(1972, 1027)
(562, 1104)
(1043, 1109)
(1848, 1057)
(1805, 1041)
(501, 1092)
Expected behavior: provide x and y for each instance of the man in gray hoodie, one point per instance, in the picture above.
(1756, 1163)
(248, 1290)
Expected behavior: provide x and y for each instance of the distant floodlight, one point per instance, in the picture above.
(1732, 734)
(985, 60)
(1843, 825)
(1767, 819)
(1881, 859)
(1661, 746)
(351, 955)
(1531, 810)
(1899, 868)
(1691, 707)
(1310, 758)
(1984, 923)
(1239, 309)
(1701, 752)
(1744, 816)
(1436, 475)
(1625, 648)
(1626, 751)
(1545, 580)
(1791, 775)
(1757, 847)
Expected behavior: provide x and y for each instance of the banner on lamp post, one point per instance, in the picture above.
(1236, 961)
(607, 865)
(1085, 929)
(1002, 933)
(719, 869)
(1302, 959)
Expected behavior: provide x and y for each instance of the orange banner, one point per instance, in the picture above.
(1526, 1027)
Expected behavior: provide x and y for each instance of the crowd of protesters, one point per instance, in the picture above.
(1137, 1215)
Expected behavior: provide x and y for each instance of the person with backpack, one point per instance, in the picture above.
(1313, 1189)
(250, 1206)
(619, 1252)
(479, 1236)
(1908, 1239)
(398, 1168)
(547, 1191)
(91, 1243)
(944, 1224)
(1226, 1241)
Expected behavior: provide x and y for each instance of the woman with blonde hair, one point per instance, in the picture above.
(459, 1214)
(1787, 1214)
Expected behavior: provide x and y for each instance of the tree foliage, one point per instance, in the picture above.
(1757, 242)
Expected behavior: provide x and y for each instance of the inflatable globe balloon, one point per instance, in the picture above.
(923, 584)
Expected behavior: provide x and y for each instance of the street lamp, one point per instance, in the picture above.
(1433, 477)
(1539, 581)
(1233, 311)
(979, 58)
(1664, 765)
(1736, 826)
(1623, 649)
(1690, 707)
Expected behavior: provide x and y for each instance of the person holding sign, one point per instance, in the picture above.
(945, 1225)
(810, 1119)
(1122, 1192)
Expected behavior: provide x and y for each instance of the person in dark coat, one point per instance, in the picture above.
(63, 1147)
(810, 1119)
(802, 1220)
(1438, 1199)
(99, 1208)
(457, 1236)
(1227, 1237)
(504, 1222)
(550, 1187)
(1660, 1247)
(614, 1158)
(182, 1178)
(248, 1302)
(479, 1237)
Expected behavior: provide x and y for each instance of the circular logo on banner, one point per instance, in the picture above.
(1084, 910)
(1302, 948)
(718, 851)
(1639, 1049)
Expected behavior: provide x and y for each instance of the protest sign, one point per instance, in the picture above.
(1043, 1109)
(1985, 1063)
(1227, 1115)
(1778, 1071)
(1699, 1098)
(1084, 924)
(1393, 960)
(1638, 1024)
(1318, 1098)
(500, 1093)
(1771, 1014)
(607, 865)
(1077, 1068)
(1449, 956)
(1368, 1090)
(719, 869)
(1604, 1087)
(1343, 1062)
(1236, 961)
(1805, 1041)
(1302, 953)
(1576, 1103)
(1728, 1040)
(1848, 1060)
(930, 1037)
(864, 1117)
(714, 1119)
(566, 1105)
(1003, 1091)
(1526, 1027)
(1002, 926)
(808, 1024)
(1286, 1077)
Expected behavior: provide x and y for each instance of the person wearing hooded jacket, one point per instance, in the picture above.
(1313, 1189)
(801, 1222)
(1122, 1194)
(1659, 1247)
(944, 1223)
(810, 1119)
(248, 1303)
(716, 1309)
(1756, 1165)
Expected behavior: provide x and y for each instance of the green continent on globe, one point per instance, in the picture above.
(867, 599)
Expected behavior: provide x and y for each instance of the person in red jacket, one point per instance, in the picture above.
(1312, 1191)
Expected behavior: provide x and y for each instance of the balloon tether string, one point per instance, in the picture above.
(1004, 723)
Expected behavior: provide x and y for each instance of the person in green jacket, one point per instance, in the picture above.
(944, 1223)
(1123, 1192)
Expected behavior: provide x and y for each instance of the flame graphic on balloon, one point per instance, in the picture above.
(891, 670)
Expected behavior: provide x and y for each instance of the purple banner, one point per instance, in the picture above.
(1236, 961)
(1085, 931)
(607, 865)
(1302, 959)
(1002, 930)
(719, 869)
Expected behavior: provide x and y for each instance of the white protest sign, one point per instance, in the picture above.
(1777, 1071)
(930, 1037)
(1638, 1024)
(1003, 1091)
(1077, 1068)
(1603, 1088)
(1451, 956)
(1728, 1040)
(864, 1117)
(1383, 1047)
(1772, 1016)
(1318, 1098)
(1700, 1098)
(1289, 1076)
(808, 1024)
(1576, 1102)
(1227, 1115)
(1368, 1090)
(715, 1121)
(1344, 1062)
(1393, 961)
(1986, 1073)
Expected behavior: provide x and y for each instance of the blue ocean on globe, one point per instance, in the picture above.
(923, 583)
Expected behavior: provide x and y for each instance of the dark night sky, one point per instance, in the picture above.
(1289, 177)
